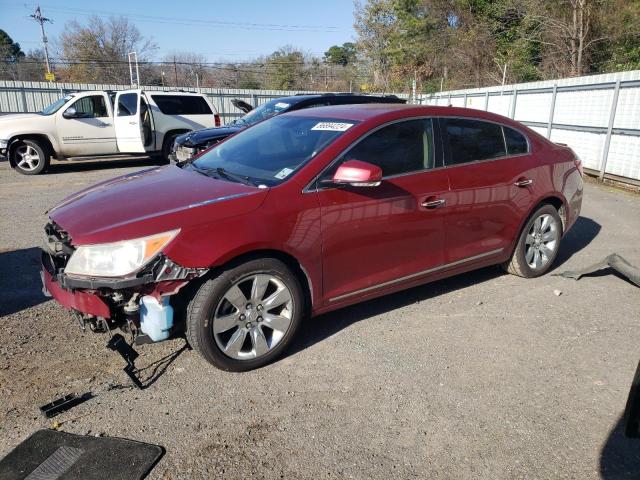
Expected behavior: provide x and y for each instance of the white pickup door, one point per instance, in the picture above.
(133, 123)
(85, 126)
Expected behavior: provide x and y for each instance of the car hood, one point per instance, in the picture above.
(151, 201)
(200, 137)
(13, 120)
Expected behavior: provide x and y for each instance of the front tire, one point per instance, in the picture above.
(538, 244)
(28, 157)
(245, 317)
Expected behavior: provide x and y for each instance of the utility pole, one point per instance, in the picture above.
(175, 71)
(37, 16)
(414, 85)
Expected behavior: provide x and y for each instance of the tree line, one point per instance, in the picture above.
(474, 43)
(432, 44)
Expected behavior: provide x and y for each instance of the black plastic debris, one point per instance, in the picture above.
(63, 404)
(613, 261)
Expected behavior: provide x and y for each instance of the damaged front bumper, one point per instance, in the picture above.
(107, 303)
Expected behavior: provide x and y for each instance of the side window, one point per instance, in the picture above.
(516, 142)
(91, 107)
(182, 105)
(398, 148)
(472, 140)
(128, 104)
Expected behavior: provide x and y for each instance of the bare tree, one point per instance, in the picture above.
(97, 51)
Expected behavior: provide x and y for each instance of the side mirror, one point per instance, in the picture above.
(358, 174)
(70, 113)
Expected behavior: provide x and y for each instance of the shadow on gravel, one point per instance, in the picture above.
(102, 164)
(580, 235)
(319, 328)
(20, 284)
(620, 456)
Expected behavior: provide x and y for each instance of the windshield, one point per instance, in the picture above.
(268, 153)
(55, 106)
(267, 110)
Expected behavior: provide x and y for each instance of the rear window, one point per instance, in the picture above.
(516, 142)
(182, 105)
(473, 140)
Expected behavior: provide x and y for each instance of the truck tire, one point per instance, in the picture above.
(29, 157)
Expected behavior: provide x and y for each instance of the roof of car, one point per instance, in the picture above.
(310, 96)
(369, 111)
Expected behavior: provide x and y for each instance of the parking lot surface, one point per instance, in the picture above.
(484, 375)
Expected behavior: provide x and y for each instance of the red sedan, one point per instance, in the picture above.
(305, 213)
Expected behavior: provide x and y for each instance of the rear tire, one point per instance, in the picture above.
(538, 244)
(28, 157)
(246, 316)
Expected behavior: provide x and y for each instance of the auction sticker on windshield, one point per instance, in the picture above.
(283, 173)
(332, 126)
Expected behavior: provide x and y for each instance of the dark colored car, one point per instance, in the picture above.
(305, 213)
(192, 143)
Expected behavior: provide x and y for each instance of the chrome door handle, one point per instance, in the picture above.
(434, 203)
(133, 123)
(523, 183)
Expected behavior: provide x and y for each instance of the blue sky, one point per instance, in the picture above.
(222, 30)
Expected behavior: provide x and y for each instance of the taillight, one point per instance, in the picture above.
(578, 163)
(217, 120)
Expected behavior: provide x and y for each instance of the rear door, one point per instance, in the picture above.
(130, 135)
(374, 238)
(486, 205)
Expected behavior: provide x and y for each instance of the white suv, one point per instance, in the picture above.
(102, 123)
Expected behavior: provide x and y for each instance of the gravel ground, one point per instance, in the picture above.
(484, 375)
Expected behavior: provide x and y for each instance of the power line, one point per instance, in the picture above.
(187, 21)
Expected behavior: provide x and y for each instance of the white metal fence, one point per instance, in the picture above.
(597, 116)
(19, 97)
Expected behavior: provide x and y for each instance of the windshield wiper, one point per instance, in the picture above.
(234, 176)
(222, 173)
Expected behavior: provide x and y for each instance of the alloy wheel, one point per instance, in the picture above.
(28, 158)
(253, 316)
(541, 242)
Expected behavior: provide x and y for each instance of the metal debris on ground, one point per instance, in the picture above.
(614, 261)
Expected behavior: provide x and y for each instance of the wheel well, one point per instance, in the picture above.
(43, 140)
(558, 204)
(289, 260)
(177, 131)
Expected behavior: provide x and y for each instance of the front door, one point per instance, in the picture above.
(130, 128)
(90, 131)
(377, 237)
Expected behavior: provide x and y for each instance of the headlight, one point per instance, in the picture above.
(4, 144)
(117, 259)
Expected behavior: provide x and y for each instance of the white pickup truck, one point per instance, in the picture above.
(99, 123)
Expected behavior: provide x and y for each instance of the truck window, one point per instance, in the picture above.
(128, 104)
(92, 106)
(182, 105)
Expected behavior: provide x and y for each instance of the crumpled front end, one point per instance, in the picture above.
(106, 303)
